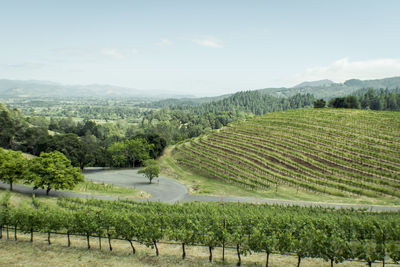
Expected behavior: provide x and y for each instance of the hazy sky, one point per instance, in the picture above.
(198, 47)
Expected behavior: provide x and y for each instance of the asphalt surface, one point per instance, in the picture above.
(161, 189)
(170, 191)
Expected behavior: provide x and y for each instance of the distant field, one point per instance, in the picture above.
(335, 152)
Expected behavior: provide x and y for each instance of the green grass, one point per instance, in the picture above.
(102, 189)
(17, 198)
(89, 187)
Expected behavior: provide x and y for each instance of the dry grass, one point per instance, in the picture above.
(39, 253)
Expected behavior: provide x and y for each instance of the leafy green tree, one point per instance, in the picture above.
(130, 153)
(32, 138)
(320, 103)
(151, 169)
(345, 102)
(53, 171)
(13, 166)
(137, 150)
(117, 152)
(12, 125)
(7, 129)
(158, 142)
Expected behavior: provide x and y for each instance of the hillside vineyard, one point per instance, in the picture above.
(332, 151)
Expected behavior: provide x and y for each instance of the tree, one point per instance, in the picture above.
(352, 102)
(151, 169)
(13, 166)
(158, 142)
(320, 103)
(137, 150)
(7, 129)
(117, 154)
(130, 152)
(345, 102)
(53, 171)
(32, 138)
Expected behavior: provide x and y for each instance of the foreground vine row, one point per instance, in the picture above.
(333, 235)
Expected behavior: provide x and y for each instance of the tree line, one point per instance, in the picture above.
(84, 143)
(383, 99)
(178, 122)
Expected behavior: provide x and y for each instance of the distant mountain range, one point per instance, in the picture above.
(34, 88)
(320, 89)
(328, 89)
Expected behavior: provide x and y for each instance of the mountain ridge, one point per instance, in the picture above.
(39, 88)
(324, 82)
(320, 89)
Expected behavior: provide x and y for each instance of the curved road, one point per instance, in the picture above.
(170, 191)
(161, 189)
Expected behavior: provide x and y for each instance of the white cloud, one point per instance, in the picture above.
(134, 51)
(344, 69)
(164, 42)
(112, 52)
(209, 41)
(26, 65)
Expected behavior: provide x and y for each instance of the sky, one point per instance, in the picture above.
(201, 48)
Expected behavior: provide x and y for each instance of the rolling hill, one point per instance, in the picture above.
(327, 89)
(34, 88)
(320, 89)
(330, 151)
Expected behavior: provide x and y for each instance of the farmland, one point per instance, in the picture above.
(330, 152)
(303, 233)
(343, 153)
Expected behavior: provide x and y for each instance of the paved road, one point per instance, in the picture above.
(170, 191)
(162, 189)
(41, 192)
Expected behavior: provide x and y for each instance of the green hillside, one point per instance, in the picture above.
(330, 151)
(327, 89)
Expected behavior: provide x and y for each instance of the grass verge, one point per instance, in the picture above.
(102, 189)
(89, 187)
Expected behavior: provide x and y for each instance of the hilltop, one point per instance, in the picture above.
(320, 89)
(314, 83)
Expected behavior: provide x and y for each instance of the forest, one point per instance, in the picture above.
(143, 132)
(87, 143)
